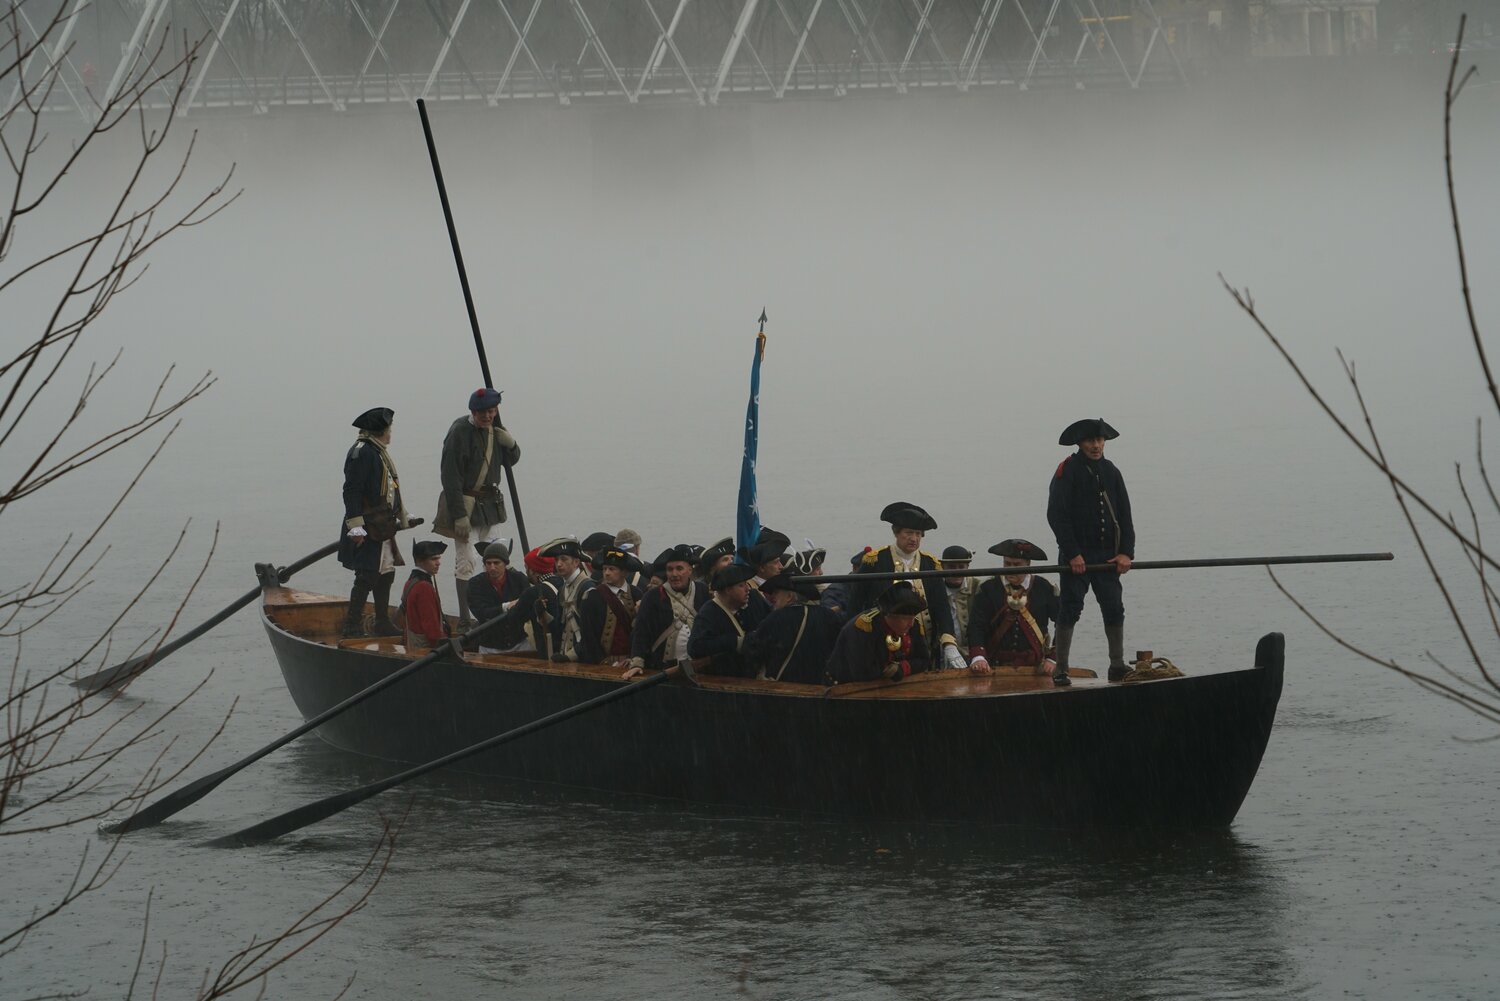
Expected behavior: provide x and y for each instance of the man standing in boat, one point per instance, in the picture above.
(884, 642)
(606, 611)
(1089, 511)
(665, 619)
(421, 607)
(909, 524)
(562, 635)
(721, 625)
(1010, 614)
(372, 514)
(476, 451)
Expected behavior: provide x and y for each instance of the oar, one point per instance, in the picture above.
(1225, 561)
(463, 280)
(303, 816)
(121, 673)
(191, 793)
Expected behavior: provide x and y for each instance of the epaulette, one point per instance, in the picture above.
(936, 562)
(865, 621)
(872, 556)
(1060, 465)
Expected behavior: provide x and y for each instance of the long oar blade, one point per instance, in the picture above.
(175, 802)
(1224, 561)
(311, 813)
(121, 673)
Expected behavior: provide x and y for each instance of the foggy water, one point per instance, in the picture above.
(949, 283)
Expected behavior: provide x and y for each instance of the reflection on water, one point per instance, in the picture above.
(560, 892)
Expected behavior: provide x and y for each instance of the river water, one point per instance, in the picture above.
(949, 283)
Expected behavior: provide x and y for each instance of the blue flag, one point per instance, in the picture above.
(747, 524)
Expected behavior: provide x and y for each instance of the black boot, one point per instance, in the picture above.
(382, 594)
(354, 618)
(1116, 636)
(1062, 645)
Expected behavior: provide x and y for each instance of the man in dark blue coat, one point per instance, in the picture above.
(885, 641)
(795, 640)
(909, 523)
(665, 619)
(372, 514)
(1089, 512)
(717, 642)
(1009, 616)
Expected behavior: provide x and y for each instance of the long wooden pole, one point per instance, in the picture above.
(121, 673)
(181, 799)
(1226, 561)
(463, 280)
(303, 816)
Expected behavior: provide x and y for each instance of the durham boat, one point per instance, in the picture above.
(944, 747)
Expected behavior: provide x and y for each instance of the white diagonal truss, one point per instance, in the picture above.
(338, 53)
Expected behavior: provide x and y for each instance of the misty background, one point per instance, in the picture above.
(949, 283)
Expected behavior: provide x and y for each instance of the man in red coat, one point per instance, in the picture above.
(420, 604)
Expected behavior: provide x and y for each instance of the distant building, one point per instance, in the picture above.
(1312, 27)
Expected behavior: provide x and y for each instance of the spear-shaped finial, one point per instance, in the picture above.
(762, 319)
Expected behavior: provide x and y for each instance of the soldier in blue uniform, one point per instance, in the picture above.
(1089, 511)
(607, 611)
(1009, 615)
(558, 625)
(796, 639)
(665, 619)
(884, 642)
(372, 514)
(909, 523)
(719, 630)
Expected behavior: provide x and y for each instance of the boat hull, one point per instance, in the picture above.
(1172, 753)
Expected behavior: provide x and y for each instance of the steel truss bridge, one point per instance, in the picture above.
(257, 55)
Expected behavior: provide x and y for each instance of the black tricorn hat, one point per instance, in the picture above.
(621, 558)
(595, 541)
(375, 420)
(903, 514)
(680, 553)
(901, 599)
(1018, 549)
(735, 573)
(562, 547)
(783, 582)
(957, 554)
(708, 557)
(1089, 427)
(809, 560)
(763, 552)
(427, 548)
(771, 535)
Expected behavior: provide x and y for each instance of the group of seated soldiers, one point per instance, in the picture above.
(754, 612)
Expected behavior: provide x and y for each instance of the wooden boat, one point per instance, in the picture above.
(946, 747)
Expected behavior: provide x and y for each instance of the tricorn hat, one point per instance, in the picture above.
(562, 547)
(1090, 427)
(783, 582)
(901, 598)
(763, 552)
(497, 551)
(375, 420)
(735, 573)
(1018, 549)
(427, 548)
(680, 553)
(595, 541)
(712, 555)
(903, 514)
(484, 398)
(808, 561)
(622, 558)
(957, 554)
(859, 557)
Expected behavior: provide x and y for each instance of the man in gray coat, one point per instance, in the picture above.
(476, 451)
